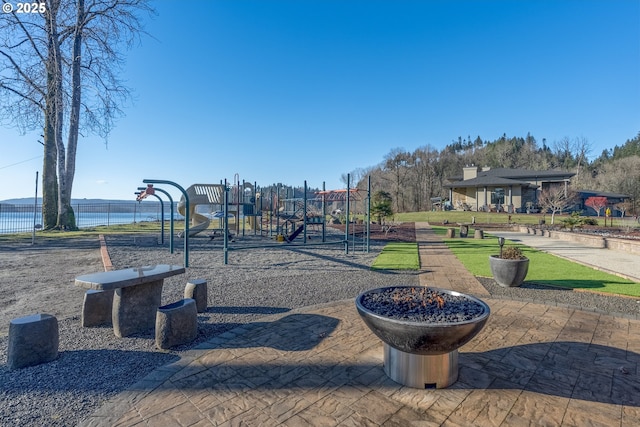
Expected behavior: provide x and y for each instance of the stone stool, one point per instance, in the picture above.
(464, 230)
(197, 289)
(478, 234)
(97, 308)
(32, 340)
(176, 323)
(451, 233)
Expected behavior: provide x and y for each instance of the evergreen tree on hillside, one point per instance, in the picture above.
(630, 148)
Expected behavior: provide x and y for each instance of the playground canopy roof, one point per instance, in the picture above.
(339, 195)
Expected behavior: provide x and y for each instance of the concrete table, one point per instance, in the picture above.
(138, 294)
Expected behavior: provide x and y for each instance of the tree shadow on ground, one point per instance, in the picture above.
(294, 332)
(571, 284)
(354, 264)
(566, 369)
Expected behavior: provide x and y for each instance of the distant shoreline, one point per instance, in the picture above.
(30, 201)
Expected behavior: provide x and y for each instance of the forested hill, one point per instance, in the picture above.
(413, 178)
(628, 149)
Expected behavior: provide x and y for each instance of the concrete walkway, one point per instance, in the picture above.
(531, 365)
(621, 263)
(440, 268)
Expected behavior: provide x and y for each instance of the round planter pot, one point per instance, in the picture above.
(508, 273)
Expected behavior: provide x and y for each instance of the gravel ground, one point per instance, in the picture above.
(94, 365)
(628, 307)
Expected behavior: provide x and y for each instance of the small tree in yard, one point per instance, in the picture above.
(624, 207)
(556, 199)
(381, 206)
(597, 203)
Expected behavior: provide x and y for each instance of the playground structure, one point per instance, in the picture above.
(200, 194)
(281, 218)
(342, 207)
(290, 212)
(212, 197)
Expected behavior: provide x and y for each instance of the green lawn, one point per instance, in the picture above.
(139, 227)
(398, 256)
(544, 268)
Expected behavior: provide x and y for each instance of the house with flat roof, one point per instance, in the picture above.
(502, 189)
(614, 201)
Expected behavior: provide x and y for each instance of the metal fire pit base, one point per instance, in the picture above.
(421, 371)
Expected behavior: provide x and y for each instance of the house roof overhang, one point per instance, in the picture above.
(505, 176)
(526, 174)
(489, 181)
(594, 193)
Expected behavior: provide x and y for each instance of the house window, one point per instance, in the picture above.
(497, 196)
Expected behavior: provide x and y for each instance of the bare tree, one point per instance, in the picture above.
(623, 207)
(582, 148)
(556, 199)
(622, 176)
(572, 153)
(47, 60)
(563, 151)
(356, 177)
(397, 163)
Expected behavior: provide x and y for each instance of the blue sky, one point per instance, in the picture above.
(287, 91)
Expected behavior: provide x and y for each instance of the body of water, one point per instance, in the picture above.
(21, 218)
(19, 222)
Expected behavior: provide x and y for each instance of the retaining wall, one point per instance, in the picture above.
(625, 245)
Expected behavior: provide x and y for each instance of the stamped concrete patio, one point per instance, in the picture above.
(531, 365)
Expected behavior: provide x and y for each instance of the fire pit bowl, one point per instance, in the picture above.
(431, 333)
(422, 329)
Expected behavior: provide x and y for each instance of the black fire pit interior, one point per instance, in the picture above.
(422, 329)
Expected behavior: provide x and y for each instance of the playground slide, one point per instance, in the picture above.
(295, 233)
(198, 222)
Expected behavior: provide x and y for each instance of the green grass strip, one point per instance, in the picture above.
(398, 256)
(544, 268)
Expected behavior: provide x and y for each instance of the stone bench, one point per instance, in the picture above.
(138, 294)
(176, 323)
(197, 290)
(97, 308)
(32, 340)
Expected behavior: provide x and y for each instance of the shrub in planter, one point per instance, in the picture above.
(510, 268)
(512, 252)
(577, 221)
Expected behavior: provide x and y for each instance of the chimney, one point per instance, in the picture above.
(469, 172)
